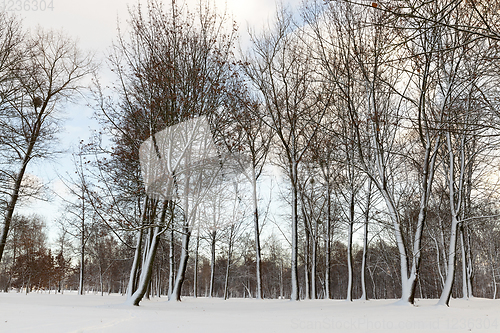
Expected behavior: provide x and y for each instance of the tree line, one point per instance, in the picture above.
(381, 116)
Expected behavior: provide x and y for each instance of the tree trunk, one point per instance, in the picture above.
(82, 250)
(465, 284)
(132, 286)
(258, 270)
(313, 262)
(228, 265)
(147, 270)
(444, 299)
(493, 275)
(294, 274)
(350, 229)
(101, 282)
(10, 208)
(470, 271)
(454, 208)
(307, 280)
(9, 212)
(144, 285)
(282, 295)
(364, 295)
(181, 271)
(195, 279)
(213, 235)
(132, 282)
(171, 258)
(327, 241)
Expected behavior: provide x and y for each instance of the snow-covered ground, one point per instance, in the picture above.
(43, 312)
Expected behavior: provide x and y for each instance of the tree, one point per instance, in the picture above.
(282, 70)
(172, 67)
(379, 92)
(62, 261)
(52, 73)
(11, 41)
(484, 14)
(220, 218)
(249, 139)
(467, 120)
(80, 218)
(33, 265)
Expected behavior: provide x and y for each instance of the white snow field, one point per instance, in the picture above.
(43, 312)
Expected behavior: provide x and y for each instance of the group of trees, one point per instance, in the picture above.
(382, 117)
(30, 263)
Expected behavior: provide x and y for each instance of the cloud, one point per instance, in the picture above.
(94, 22)
(59, 188)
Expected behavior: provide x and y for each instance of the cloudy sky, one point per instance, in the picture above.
(94, 23)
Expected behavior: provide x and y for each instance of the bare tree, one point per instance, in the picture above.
(172, 66)
(484, 14)
(52, 73)
(11, 44)
(249, 139)
(379, 92)
(466, 85)
(281, 68)
(79, 217)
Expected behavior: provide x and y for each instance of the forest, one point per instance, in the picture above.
(349, 152)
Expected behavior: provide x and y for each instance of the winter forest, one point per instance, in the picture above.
(350, 151)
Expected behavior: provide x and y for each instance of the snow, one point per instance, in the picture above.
(43, 312)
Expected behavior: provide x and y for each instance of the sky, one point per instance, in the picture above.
(94, 24)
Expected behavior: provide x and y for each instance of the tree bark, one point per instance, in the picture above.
(144, 285)
(147, 270)
(171, 258)
(350, 230)
(132, 282)
(465, 282)
(82, 245)
(228, 265)
(313, 262)
(195, 279)
(364, 295)
(295, 280)
(307, 245)
(258, 270)
(213, 235)
(181, 271)
(454, 208)
(327, 240)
